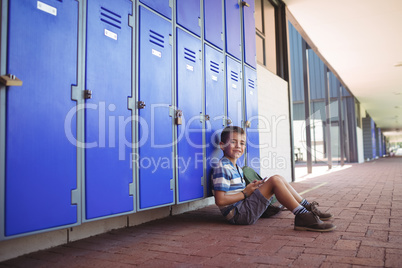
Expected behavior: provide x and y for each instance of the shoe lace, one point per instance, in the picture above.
(314, 208)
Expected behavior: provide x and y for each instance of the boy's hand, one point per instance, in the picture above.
(252, 187)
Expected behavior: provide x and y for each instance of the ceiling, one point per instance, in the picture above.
(362, 41)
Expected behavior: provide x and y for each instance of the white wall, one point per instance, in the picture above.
(274, 124)
(360, 145)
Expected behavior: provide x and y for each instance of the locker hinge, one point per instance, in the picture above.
(199, 22)
(170, 3)
(170, 39)
(87, 94)
(131, 188)
(131, 21)
(171, 184)
(202, 181)
(75, 197)
(130, 103)
(171, 111)
(10, 80)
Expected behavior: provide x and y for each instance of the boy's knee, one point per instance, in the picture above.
(275, 179)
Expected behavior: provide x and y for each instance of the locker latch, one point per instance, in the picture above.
(207, 117)
(87, 94)
(228, 121)
(247, 124)
(10, 80)
(178, 117)
(141, 105)
(244, 3)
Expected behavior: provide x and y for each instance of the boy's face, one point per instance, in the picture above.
(234, 146)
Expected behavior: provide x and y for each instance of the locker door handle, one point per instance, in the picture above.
(207, 117)
(178, 119)
(141, 105)
(244, 3)
(229, 121)
(87, 94)
(10, 80)
(247, 124)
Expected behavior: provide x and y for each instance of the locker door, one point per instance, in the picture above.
(161, 6)
(108, 119)
(214, 106)
(40, 161)
(253, 138)
(213, 27)
(233, 28)
(249, 34)
(189, 134)
(188, 15)
(234, 89)
(155, 124)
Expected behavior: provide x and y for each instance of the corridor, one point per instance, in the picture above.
(366, 200)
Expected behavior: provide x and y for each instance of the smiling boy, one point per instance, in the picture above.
(242, 204)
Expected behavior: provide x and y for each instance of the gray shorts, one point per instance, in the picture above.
(251, 209)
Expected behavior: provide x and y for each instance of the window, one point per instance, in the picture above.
(265, 34)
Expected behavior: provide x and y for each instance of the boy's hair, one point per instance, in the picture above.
(231, 129)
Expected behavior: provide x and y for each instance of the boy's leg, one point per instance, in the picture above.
(275, 185)
(304, 220)
(313, 206)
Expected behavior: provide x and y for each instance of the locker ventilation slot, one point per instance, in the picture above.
(251, 83)
(234, 76)
(189, 55)
(214, 67)
(156, 38)
(110, 18)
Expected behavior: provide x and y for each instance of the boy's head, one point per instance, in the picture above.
(233, 142)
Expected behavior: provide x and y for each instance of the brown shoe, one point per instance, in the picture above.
(310, 222)
(313, 206)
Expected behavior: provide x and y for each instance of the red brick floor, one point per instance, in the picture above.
(366, 200)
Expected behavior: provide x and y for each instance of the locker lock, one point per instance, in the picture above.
(229, 121)
(207, 117)
(244, 3)
(247, 124)
(141, 105)
(178, 117)
(10, 80)
(87, 94)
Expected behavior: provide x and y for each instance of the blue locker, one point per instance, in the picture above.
(249, 34)
(188, 15)
(233, 28)
(213, 26)
(214, 106)
(253, 137)
(41, 168)
(108, 172)
(155, 124)
(161, 6)
(234, 91)
(189, 133)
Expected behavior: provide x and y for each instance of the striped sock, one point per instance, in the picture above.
(299, 210)
(304, 202)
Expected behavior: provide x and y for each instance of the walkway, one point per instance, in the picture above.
(366, 200)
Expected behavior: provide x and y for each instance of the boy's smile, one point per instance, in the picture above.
(234, 147)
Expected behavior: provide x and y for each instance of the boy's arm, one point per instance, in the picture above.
(222, 199)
